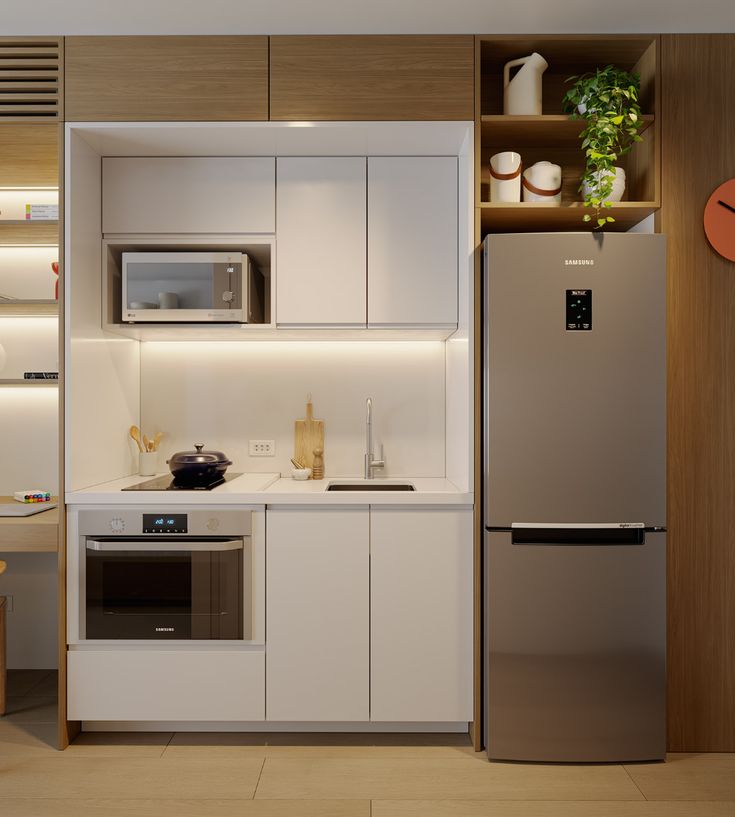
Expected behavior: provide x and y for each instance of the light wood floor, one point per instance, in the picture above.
(233, 775)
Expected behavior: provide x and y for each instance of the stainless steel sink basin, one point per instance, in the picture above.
(370, 486)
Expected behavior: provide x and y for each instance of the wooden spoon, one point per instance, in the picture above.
(135, 434)
(147, 443)
(157, 440)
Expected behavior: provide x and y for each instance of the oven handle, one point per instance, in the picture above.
(162, 546)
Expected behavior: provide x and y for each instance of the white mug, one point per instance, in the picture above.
(168, 300)
(505, 176)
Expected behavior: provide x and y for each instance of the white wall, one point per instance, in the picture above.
(102, 380)
(28, 414)
(223, 394)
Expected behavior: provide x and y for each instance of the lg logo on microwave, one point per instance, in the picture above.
(579, 262)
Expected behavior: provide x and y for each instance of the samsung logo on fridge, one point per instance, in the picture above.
(579, 262)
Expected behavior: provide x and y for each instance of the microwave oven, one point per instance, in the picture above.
(191, 287)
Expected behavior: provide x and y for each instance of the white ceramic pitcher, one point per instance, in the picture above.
(522, 94)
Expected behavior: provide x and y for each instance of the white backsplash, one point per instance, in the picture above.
(224, 394)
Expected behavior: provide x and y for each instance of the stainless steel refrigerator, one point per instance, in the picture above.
(575, 496)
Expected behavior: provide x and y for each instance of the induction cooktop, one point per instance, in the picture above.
(166, 483)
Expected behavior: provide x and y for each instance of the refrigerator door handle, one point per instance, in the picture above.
(608, 533)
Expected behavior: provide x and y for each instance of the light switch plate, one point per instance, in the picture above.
(262, 448)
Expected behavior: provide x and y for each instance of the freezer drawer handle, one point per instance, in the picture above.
(625, 534)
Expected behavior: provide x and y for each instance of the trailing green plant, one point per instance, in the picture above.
(607, 100)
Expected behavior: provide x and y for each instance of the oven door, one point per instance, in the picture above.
(169, 588)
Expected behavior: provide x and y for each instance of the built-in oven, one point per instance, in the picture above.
(191, 287)
(166, 575)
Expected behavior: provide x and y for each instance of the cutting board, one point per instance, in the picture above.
(308, 435)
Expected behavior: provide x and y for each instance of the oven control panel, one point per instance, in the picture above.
(152, 521)
(165, 523)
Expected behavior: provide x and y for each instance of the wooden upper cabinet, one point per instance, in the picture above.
(372, 78)
(166, 78)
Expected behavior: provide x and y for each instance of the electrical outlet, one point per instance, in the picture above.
(262, 448)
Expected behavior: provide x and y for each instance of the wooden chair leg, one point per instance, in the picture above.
(3, 657)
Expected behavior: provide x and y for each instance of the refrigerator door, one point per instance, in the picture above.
(575, 378)
(575, 652)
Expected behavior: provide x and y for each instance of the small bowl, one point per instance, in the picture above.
(300, 473)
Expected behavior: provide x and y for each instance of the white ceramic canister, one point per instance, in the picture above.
(522, 94)
(542, 183)
(618, 187)
(147, 463)
(505, 176)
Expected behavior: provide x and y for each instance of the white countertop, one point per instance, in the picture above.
(271, 489)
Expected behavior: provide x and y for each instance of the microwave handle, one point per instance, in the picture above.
(227, 286)
(164, 545)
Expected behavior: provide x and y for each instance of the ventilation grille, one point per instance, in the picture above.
(30, 79)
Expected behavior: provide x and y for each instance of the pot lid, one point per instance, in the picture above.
(199, 457)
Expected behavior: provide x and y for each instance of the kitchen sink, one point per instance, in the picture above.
(370, 486)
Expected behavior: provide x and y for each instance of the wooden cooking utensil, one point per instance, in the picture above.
(156, 440)
(308, 435)
(146, 443)
(135, 434)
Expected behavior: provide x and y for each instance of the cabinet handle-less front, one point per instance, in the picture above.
(164, 545)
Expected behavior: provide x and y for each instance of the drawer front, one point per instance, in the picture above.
(166, 685)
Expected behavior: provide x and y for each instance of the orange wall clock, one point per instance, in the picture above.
(719, 220)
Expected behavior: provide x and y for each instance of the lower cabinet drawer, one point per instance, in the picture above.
(165, 685)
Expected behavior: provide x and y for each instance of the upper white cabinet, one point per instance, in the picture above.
(321, 215)
(421, 614)
(188, 195)
(412, 241)
(318, 608)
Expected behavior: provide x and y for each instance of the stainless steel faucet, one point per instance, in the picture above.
(370, 463)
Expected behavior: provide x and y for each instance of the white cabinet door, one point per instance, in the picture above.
(412, 241)
(321, 217)
(421, 615)
(188, 195)
(317, 621)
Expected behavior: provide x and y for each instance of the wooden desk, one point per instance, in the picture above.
(29, 534)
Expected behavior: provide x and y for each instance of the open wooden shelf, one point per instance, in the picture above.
(527, 217)
(31, 309)
(18, 381)
(549, 130)
(29, 232)
(553, 136)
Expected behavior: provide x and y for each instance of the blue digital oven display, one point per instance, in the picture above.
(165, 523)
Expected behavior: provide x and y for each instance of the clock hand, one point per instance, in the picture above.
(726, 205)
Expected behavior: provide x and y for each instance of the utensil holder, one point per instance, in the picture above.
(147, 462)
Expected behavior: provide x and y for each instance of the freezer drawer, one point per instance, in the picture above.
(575, 649)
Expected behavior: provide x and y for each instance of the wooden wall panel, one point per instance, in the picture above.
(699, 153)
(29, 154)
(372, 78)
(166, 78)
